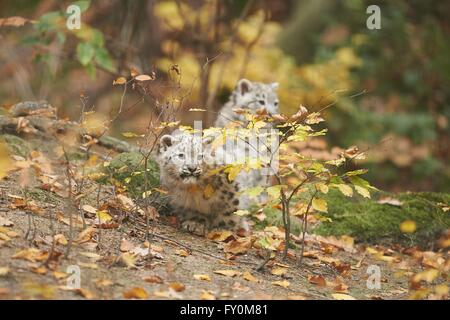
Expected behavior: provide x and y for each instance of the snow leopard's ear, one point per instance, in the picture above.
(244, 86)
(274, 85)
(166, 141)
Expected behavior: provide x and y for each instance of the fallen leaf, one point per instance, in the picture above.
(342, 296)
(126, 245)
(4, 271)
(283, 283)
(85, 293)
(85, 235)
(60, 239)
(128, 259)
(317, 280)
(391, 201)
(182, 252)
(60, 275)
(31, 254)
(135, 293)
(207, 295)
(103, 282)
(220, 236)
(249, 277)
(228, 273)
(204, 277)
(89, 209)
(278, 271)
(238, 246)
(178, 287)
(153, 279)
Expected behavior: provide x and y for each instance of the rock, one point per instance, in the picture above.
(16, 145)
(32, 108)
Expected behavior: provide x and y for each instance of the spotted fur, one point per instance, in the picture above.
(201, 200)
(251, 96)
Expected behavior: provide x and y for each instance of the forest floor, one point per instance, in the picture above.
(41, 255)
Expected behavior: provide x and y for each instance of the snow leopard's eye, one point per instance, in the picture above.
(262, 102)
(200, 157)
(181, 155)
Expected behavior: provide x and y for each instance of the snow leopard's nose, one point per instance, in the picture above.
(191, 169)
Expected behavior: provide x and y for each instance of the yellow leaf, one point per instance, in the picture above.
(176, 286)
(103, 216)
(408, 226)
(362, 191)
(278, 271)
(428, 275)
(206, 295)
(345, 189)
(233, 172)
(61, 239)
(136, 293)
(249, 277)
(283, 283)
(319, 205)
(5, 161)
(4, 271)
(203, 277)
(322, 187)
(342, 296)
(120, 80)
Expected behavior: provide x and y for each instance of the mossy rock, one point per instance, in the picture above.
(369, 221)
(16, 145)
(129, 169)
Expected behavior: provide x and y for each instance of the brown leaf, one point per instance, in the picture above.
(126, 245)
(317, 280)
(31, 254)
(238, 246)
(227, 273)
(278, 271)
(135, 293)
(153, 279)
(14, 21)
(220, 236)
(85, 293)
(85, 235)
(178, 287)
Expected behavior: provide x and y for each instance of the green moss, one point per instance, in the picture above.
(129, 169)
(367, 220)
(43, 196)
(17, 145)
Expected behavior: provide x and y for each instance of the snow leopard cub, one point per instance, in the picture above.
(201, 201)
(251, 96)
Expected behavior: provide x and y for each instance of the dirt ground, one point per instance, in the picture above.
(117, 262)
